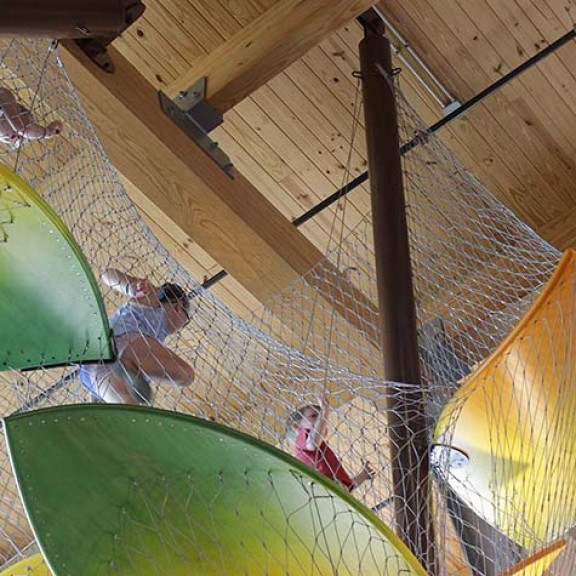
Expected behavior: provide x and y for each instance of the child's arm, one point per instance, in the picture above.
(21, 120)
(366, 473)
(139, 289)
(318, 432)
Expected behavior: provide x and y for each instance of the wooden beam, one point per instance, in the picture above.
(560, 231)
(258, 52)
(228, 218)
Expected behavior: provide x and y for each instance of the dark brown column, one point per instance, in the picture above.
(64, 18)
(408, 440)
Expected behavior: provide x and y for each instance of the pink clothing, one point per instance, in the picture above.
(323, 460)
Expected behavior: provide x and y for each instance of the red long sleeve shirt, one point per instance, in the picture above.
(323, 459)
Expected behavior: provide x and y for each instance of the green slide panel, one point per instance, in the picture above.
(113, 489)
(51, 311)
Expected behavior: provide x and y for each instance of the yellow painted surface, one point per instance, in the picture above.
(515, 418)
(538, 564)
(33, 566)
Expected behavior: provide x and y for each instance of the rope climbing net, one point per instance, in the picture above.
(477, 271)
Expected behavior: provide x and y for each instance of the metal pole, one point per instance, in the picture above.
(448, 119)
(65, 18)
(459, 112)
(407, 426)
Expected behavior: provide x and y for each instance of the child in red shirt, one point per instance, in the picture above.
(309, 424)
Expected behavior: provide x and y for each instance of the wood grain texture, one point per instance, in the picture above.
(264, 47)
(228, 218)
(521, 141)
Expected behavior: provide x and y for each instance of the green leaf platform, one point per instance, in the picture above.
(113, 489)
(51, 311)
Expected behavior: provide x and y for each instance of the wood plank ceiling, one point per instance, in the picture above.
(291, 137)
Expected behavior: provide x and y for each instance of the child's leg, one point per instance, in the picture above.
(139, 358)
(19, 118)
(141, 354)
(114, 391)
(106, 383)
(20, 121)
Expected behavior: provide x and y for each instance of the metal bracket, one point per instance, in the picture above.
(96, 51)
(187, 99)
(96, 47)
(196, 118)
(452, 107)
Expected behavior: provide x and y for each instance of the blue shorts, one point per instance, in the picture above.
(138, 385)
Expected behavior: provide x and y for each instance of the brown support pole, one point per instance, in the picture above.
(66, 18)
(408, 439)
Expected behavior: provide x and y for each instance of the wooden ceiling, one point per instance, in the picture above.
(290, 137)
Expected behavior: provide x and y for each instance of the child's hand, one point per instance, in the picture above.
(324, 407)
(323, 400)
(140, 288)
(367, 472)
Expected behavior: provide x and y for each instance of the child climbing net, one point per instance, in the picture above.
(307, 428)
(18, 125)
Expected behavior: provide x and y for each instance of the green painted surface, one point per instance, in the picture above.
(51, 311)
(112, 489)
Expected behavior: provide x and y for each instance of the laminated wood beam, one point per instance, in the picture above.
(261, 50)
(227, 217)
